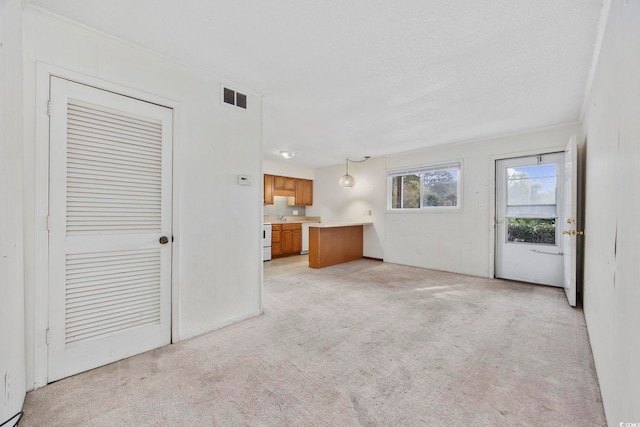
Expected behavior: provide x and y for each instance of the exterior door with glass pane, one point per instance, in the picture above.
(529, 213)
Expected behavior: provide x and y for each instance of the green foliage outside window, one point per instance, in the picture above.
(531, 230)
(441, 189)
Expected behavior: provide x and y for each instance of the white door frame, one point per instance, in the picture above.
(492, 195)
(39, 304)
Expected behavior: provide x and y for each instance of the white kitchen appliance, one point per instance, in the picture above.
(266, 241)
(305, 239)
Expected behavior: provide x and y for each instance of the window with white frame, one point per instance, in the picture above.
(425, 187)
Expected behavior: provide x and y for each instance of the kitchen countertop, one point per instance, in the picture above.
(339, 224)
(292, 220)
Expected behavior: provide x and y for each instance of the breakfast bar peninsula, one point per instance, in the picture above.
(335, 243)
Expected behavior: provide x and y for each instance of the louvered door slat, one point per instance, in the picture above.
(111, 155)
(80, 109)
(114, 285)
(101, 154)
(92, 119)
(80, 311)
(112, 161)
(80, 198)
(101, 181)
(105, 140)
(122, 316)
(112, 133)
(101, 303)
(95, 142)
(107, 292)
(111, 328)
(81, 170)
(109, 269)
(130, 171)
(110, 309)
(125, 130)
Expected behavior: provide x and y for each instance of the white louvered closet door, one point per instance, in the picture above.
(110, 203)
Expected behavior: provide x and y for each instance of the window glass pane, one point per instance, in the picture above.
(531, 185)
(531, 230)
(396, 192)
(440, 188)
(410, 191)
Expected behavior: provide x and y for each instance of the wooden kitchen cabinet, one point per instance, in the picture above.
(276, 240)
(299, 190)
(268, 190)
(296, 237)
(284, 183)
(287, 242)
(286, 239)
(304, 192)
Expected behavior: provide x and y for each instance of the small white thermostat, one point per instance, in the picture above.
(244, 180)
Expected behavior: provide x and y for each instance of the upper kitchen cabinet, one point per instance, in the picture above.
(284, 183)
(268, 189)
(304, 192)
(299, 191)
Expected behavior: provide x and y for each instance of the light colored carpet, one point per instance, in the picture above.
(359, 344)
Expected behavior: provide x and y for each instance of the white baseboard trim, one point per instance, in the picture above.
(185, 335)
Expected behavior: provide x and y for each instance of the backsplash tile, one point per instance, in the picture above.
(280, 207)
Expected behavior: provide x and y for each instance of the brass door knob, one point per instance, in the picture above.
(164, 240)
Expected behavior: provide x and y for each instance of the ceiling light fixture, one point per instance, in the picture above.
(287, 154)
(347, 181)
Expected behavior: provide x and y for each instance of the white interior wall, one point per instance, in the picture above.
(217, 222)
(12, 358)
(286, 169)
(333, 203)
(460, 240)
(612, 228)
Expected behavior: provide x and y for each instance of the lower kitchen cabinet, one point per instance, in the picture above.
(286, 239)
(276, 240)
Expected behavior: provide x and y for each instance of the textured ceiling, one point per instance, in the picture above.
(370, 77)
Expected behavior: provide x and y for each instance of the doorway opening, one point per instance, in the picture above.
(537, 219)
(529, 208)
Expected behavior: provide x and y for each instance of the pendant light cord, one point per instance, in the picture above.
(357, 161)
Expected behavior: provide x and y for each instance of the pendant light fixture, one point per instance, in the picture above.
(347, 181)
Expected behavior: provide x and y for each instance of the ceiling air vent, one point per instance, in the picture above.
(230, 96)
